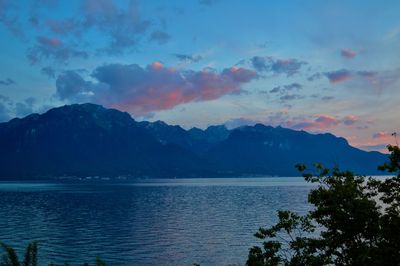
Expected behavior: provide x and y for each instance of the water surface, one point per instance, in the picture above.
(146, 222)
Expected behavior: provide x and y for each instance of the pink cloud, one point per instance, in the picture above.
(321, 122)
(326, 121)
(348, 53)
(379, 142)
(156, 87)
(47, 41)
(52, 48)
(338, 76)
(382, 135)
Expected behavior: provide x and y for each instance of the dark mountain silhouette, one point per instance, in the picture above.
(264, 149)
(89, 140)
(195, 139)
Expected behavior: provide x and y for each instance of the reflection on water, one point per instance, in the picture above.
(147, 222)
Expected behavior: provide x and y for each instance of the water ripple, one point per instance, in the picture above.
(162, 222)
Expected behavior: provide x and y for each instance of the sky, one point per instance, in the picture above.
(319, 66)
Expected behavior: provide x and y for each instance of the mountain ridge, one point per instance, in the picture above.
(88, 140)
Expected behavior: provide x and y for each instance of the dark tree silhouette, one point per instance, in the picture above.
(354, 221)
(10, 257)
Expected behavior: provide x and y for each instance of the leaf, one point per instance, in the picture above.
(11, 256)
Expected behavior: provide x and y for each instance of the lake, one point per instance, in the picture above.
(146, 222)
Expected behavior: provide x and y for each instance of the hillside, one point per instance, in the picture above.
(90, 140)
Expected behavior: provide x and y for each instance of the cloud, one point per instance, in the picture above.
(338, 76)
(276, 66)
(9, 17)
(379, 142)
(4, 113)
(260, 63)
(286, 88)
(5, 99)
(315, 76)
(323, 98)
(282, 118)
(189, 58)
(321, 122)
(160, 37)
(63, 26)
(374, 79)
(293, 86)
(380, 80)
(286, 93)
(156, 87)
(123, 25)
(290, 97)
(49, 72)
(288, 67)
(54, 49)
(327, 98)
(367, 74)
(348, 53)
(375, 147)
(25, 108)
(50, 42)
(71, 86)
(365, 78)
(275, 89)
(9, 108)
(239, 122)
(118, 23)
(7, 82)
(327, 120)
(382, 135)
(350, 120)
(314, 123)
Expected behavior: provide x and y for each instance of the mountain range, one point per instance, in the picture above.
(83, 140)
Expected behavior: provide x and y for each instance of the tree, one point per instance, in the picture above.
(10, 257)
(354, 221)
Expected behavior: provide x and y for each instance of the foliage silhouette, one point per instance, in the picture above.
(354, 221)
(10, 257)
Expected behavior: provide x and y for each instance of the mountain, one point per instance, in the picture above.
(90, 140)
(263, 149)
(195, 140)
(87, 139)
(168, 134)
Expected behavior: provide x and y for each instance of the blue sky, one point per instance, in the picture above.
(320, 66)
